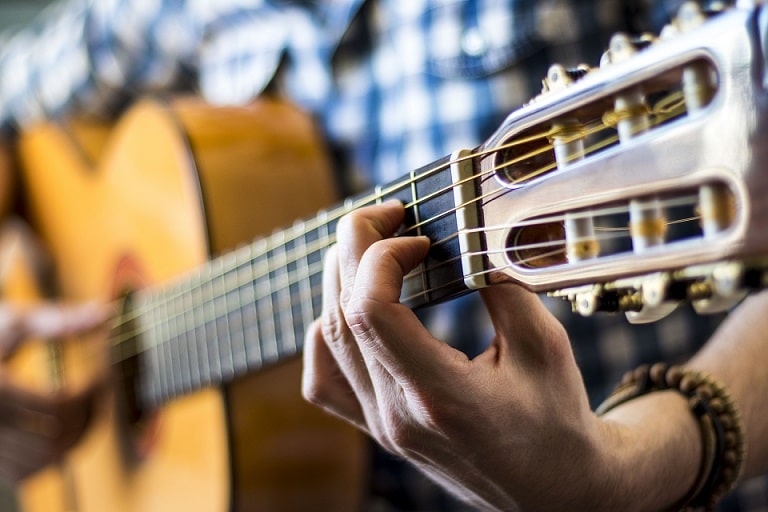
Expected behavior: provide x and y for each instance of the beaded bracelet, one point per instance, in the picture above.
(718, 418)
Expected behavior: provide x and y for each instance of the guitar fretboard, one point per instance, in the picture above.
(250, 308)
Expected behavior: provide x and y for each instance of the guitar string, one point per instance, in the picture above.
(556, 251)
(361, 202)
(308, 272)
(607, 233)
(503, 190)
(379, 194)
(201, 377)
(283, 282)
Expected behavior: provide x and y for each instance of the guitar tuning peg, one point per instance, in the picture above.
(559, 77)
(692, 14)
(722, 291)
(657, 301)
(689, 16)
(589, 300)
(622, 46)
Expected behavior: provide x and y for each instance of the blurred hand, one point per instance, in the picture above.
(37, 429)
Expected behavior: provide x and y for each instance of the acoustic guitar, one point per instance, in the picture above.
(627, 188)
(143, 205)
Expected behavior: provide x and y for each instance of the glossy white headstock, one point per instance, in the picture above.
(644, 181)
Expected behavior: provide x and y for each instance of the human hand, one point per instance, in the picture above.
(510, 428)
(37, 429)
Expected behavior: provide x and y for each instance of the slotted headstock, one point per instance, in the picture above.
(641, 182)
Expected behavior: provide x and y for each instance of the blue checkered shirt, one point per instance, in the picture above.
(394, 84)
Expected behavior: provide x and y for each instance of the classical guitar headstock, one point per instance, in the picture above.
(641, 182)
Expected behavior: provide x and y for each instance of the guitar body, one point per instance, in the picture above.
(138, 204)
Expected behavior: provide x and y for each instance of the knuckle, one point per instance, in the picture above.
(349, 224)
(383, 251)
(359, 316)
(332, 325)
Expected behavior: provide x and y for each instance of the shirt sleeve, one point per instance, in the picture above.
(93, 55)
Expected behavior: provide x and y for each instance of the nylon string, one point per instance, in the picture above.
(278, 268)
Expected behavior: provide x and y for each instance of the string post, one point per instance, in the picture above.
(647, 223)
(717, 209)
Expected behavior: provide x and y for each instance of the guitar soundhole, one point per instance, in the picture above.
(137, 425)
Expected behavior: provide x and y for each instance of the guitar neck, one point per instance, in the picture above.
(251, 307)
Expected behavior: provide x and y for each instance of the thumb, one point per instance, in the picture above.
(47, 321)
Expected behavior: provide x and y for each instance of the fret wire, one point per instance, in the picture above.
(250, 317)
(254, 354)
(163, 354)
(165, 333)
(151, 392)
(173, 372)
(324, 239)
(193, 351)
(417, 222)
(198, 327)
(224, 340)
(212, 330)
(183, 353)
(153, 389)
(172, 334)
(238, 349)
(285, 304)
(269, 341)
(168, 352)
(304, 279)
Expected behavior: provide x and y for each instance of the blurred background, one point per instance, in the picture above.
(16, 13)
(13, 15)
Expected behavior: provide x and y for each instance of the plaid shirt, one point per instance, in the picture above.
(395, 85)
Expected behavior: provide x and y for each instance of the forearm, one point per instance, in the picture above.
(658, 442)
(655, 452)
(737, 356)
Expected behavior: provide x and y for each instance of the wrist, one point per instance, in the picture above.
(653, 452)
